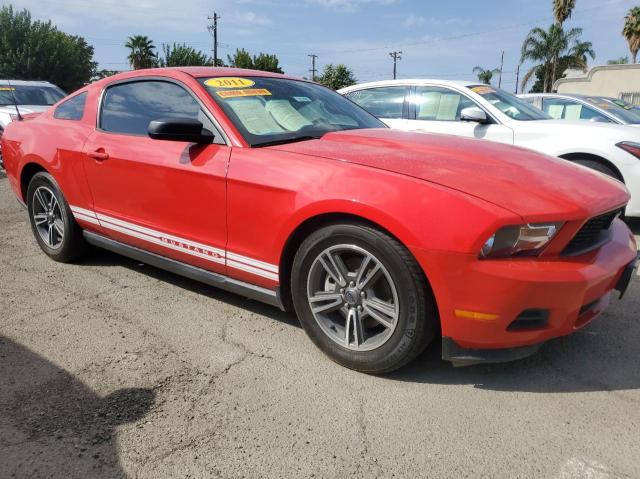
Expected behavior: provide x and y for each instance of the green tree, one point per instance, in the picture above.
(141, 52)
(36, 50)
(240, 59)
(562, 10)
(263, 61)
(485, 76)
(183, 56)
(267, 63)
(554, 50)
(337, 76)
(631, 32)
(619, 61)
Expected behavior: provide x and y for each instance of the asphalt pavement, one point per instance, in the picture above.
(114, 369)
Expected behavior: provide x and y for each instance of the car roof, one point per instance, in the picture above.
(25, 82)
(413, 81)
(200, 72)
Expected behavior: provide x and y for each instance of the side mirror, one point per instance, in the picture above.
(599, 119)
(179, 129)
(474, 113)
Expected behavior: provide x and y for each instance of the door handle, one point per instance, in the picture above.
(99, 154)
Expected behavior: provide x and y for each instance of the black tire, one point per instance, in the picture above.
(71, 244)
(417, 321)
(596, 165)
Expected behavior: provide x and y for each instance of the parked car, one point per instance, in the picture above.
(482, 111)
(283, 191)
(581, 107)
(31, 97)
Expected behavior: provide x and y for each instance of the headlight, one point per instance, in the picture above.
(630, 147)
(519, 240)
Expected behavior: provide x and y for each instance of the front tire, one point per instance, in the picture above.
(362, 298)
(52, 222)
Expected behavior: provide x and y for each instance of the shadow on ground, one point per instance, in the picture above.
(104, 258)
(598, 358)
(53, 425)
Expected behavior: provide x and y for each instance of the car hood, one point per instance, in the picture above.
(525, 182)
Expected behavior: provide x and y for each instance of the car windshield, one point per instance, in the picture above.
(619, 108)
(269, 111)
(509, 104)
(30, 95)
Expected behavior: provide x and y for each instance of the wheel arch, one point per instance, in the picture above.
(306, 228)
(28, 171)
(599, 159)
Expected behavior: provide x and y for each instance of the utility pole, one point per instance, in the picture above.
(517, 78)
(213, 29)
(501, 67)
(313, 66)
(396, 56)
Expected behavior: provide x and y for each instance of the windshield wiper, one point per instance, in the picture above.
(283, 141)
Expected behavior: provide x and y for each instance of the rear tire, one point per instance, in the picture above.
(52, 221)
(373, 310)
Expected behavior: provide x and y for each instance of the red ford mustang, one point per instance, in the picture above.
(283, 191)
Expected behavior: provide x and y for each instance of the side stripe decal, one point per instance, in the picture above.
(210, 253)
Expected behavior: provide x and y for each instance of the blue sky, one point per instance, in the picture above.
(443, 39)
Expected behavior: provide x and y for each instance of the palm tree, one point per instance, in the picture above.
(485, 76)
(142, 53)
(547, 46)
(631, 31)
(562, 10)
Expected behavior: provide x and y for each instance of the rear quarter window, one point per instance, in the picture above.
(71, 109)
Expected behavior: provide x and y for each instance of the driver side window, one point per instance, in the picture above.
(434, 103)
(128, 108)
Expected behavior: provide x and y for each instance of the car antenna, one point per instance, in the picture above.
(15, 101)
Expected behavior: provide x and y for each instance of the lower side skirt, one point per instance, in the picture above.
(198, 274)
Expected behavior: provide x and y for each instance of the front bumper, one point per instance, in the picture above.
(571, 290)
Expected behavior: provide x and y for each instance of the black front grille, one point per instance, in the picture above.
(594, 233)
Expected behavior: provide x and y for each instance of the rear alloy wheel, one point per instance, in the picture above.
(52, 222)
(362, 298)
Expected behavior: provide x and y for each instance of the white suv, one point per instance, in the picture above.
(481, 111)
(31, 97)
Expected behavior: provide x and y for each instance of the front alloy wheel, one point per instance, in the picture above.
(362, 298)
(353, 297)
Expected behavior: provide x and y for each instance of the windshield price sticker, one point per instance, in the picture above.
(482, 90)
(248, 92)
(229, 82)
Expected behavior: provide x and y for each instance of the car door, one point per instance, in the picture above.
(388, 103)
(168, 197)
(438, 109)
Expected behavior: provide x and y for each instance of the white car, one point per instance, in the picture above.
(481, 111)
(31, 97)
(564, 106)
